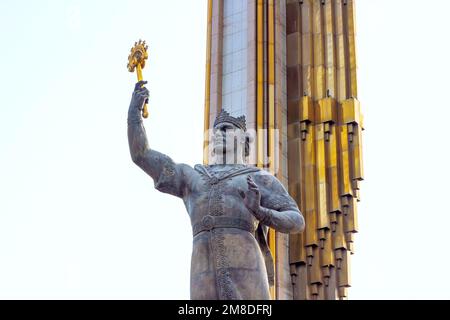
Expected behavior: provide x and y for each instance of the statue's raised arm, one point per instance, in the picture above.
(168, 176)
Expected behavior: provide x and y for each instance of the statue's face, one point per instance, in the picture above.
(228, 139)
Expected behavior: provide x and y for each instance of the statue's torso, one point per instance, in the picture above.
(227, 262)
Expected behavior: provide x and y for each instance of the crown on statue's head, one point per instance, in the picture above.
(224, 116)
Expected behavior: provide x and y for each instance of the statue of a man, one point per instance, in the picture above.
(230, 205)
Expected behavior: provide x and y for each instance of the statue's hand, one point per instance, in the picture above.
(139, 97)
(252, 197)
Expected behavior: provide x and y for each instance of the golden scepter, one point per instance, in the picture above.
(136, 60)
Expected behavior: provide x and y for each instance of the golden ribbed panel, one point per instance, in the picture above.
(315, 272)
(300, 286)
(343, 275)
(306, 112)
(346, 189)
(351, 224)
(357, 163)
(324, 132)
(333, 174)
(351, 111)
(271, 43)
(296, 242)
(319, 53)
(327, 263)
(358, 170)
(327, 254)
(321, 182)
(331, 283)
(330, 60)
(340, 42)
(353, 118)
(339, 234)
(309, 172)
(351, 25)
(325, 117)
(309, 169)
(271, 87)
(330, 148)
(297, 129)
(307, 53)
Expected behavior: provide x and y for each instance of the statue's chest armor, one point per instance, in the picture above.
(217, 194)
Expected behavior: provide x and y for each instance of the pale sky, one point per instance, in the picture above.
(79, 220)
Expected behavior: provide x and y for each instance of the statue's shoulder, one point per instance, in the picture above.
(266, 179)
(200, 168)
(262, 172)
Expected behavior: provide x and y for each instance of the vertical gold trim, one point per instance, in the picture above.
(271, 85)
(356, 147)
(260, 82)
(344, 163)
(339, 236)
(352, 63)
(321, 182)
(207, 86)
(220, 56)
(309, 173)
(319, 54)
(271, 114)
(351, 219)
(344, 275)
(297, 253)
(340, 53)
(333, 172)
(307, 52)
(330, 60)
(315, 275)
(327, 255)
(352, 225)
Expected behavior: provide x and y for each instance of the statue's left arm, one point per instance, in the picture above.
(272, 205)
(168, 176)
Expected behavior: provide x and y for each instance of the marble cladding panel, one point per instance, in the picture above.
(234, 57)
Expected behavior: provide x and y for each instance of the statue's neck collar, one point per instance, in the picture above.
(234, 170)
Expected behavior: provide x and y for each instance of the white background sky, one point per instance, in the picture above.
(79, 220)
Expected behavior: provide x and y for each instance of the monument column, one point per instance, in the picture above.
(289, 66)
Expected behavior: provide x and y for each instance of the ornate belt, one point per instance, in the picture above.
(210, 222)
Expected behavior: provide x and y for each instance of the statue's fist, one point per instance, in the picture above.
(140, 95)
(252, 197)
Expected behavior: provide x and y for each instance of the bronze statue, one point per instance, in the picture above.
(230, 205)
